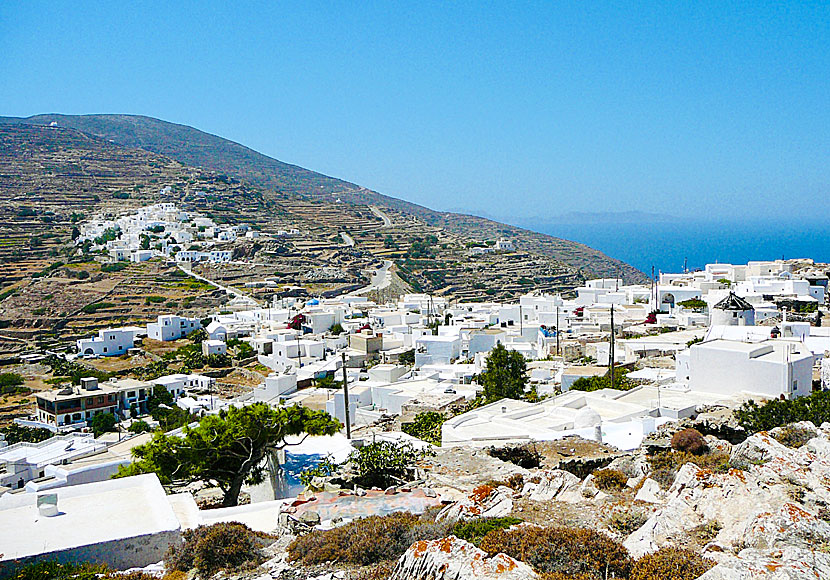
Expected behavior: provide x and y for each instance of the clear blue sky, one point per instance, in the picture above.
(508, 109)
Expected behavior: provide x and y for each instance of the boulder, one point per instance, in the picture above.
(788, 564)
(484, 502)
(454, 559)
(650, 492)
(553, 483)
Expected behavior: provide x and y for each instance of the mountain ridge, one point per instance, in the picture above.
(197, 148)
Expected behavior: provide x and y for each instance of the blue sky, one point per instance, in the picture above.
(511, 109)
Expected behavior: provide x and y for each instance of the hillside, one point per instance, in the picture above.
(196, 148)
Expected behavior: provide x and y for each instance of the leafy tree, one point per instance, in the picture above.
(693, 304)
(505, 375)
(139, 427)
(336, 329)
(426, 426)
(228, 449)
(10, 380)
(15, 433)
(383, 463)
(407, 358)
(621, 382)
(103, 423)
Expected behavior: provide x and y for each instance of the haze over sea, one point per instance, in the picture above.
(665, 245)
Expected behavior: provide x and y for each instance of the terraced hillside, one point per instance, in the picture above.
(52, 178)
(197, 148)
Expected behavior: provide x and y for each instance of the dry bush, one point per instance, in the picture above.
(794, 437)
(569, 551)
(381, 571)
(610, 479)
(223, 546)
(670, 564)
(515, 482)
(690, 441)
(366, 541)
(627, 521)
(664, 466)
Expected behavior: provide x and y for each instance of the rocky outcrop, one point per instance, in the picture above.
(770, 508)
(454, 559)
(484, 501)
(787, 564)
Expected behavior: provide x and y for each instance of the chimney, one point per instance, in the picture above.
(89, 383)
(47, 504)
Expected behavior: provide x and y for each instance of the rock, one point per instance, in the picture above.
(553, 483)
(454, 559)
(485, 502)
(788, 564)
(757, 450)
(650, 492)
(309, 518)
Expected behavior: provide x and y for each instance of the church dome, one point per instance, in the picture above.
(586, 417)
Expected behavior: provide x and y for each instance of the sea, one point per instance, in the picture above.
(668, 246)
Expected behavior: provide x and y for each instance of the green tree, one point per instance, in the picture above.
(505, 375)
(103, 423)
(426, 426)
(228, 449)
(15, 433)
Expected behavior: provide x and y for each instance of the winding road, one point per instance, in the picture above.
(387, 223)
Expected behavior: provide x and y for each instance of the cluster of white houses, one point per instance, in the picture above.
(735, 332)
(165, 230)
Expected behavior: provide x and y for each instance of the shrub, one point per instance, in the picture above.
(793, 436)
(777, 413)
(365, 541)
(53, 570)
(570, 551)
(690, 441)
(15, 433)
(670, 564)
(610, 479)
(96, 306)
(664, 465)
(10, 379)
(115, 267)
(627, 521)
(474, 530)
(223, 546)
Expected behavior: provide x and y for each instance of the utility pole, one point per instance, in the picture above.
(346, 397)
(520, 318)
(651, 298)
(557, 330)
(299, 354)
(611, 347)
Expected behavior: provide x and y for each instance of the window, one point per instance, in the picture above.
(105, 349)
(795, 385)
(100, 400)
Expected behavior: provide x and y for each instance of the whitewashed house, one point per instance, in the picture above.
(172, 327)
(109, 342)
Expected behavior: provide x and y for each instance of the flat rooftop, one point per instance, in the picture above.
(87, 514)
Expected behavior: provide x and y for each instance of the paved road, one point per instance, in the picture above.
(232, 291)
(387, 223)
(382, 278)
